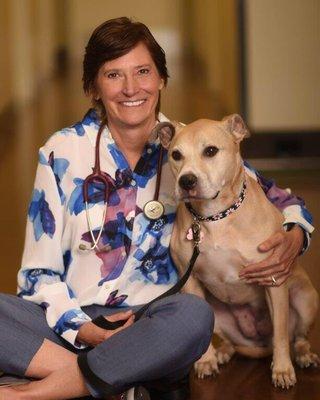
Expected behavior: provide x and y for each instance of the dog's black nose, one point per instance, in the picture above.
(188, 181)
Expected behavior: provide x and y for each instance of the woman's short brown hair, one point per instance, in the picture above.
(115, 38)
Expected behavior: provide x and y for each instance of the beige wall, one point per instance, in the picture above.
(27, 44)
(44, 38)
(5, 60)
(213, 33)
(283, 47)
(164, 18)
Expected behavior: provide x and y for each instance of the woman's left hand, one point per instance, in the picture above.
(285, 246)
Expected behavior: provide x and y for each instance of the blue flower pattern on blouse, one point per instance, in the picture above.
(149, 166)
(155, 264)
(33, 277)
(71, 319)
(95, 193)
(59, 167)
(41, 215)
(116, 301)
(67, 260)
(89, 119)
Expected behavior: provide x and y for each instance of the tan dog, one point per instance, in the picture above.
(209, 171)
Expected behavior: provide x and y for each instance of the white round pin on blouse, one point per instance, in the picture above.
(153, 209)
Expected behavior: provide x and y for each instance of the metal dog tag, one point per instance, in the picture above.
(153, 209)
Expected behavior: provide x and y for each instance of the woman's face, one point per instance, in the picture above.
(129, 88)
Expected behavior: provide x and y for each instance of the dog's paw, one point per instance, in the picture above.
(308, 360)
(207, 365)
(283, 376)
(207, 368)
(224, 353)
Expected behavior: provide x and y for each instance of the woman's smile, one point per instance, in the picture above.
(133, 103)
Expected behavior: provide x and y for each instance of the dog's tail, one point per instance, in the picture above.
(254, 352)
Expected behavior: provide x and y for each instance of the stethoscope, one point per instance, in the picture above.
(153, 209)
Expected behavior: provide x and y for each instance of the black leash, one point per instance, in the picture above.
(102, 322)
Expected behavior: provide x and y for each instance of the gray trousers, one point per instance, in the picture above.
(172, 334)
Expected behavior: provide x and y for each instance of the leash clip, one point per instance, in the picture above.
(196, 232)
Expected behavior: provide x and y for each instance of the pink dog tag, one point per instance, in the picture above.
(190, 235)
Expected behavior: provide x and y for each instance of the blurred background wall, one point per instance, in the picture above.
(283, 64)
(259, 58)
(39, 36)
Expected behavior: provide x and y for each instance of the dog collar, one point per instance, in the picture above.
(197, 217)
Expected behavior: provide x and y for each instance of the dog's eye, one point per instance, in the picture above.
(210, 151)
(176, 155)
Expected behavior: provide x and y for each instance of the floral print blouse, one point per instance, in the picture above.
(133, 265)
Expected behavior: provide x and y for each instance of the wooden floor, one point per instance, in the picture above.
(244, 379)
(60, 104)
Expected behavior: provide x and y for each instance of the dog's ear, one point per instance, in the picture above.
(165, 131)
(236, 126)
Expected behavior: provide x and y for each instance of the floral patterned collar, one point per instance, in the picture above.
(221, 214)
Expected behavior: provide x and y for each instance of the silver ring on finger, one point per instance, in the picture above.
(273, 280)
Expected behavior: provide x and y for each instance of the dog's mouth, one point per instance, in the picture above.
(192, 195)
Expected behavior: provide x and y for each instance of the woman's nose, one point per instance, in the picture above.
(130, 86)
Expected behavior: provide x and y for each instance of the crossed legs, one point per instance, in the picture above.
(173, 333)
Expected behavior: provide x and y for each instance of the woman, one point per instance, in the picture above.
(68, 278)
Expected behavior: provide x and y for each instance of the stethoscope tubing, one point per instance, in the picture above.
(97, 176)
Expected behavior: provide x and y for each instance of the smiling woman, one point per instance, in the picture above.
(124, 72)
(65, 281)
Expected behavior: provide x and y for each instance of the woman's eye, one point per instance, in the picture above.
(112, 75)
(210, 151)
(144, 71)
(176, 155)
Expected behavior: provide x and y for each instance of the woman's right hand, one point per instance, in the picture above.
(91, 335)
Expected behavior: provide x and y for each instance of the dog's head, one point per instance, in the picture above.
(204, 155)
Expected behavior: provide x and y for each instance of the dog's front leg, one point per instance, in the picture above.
(283, 374)
(207, 365)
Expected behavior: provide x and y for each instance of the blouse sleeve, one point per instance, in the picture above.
(292, 207)
(44, 266)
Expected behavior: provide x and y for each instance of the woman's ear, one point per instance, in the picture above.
(94, 92)
(161, 85)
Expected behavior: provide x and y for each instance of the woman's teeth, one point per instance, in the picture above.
(133, 103)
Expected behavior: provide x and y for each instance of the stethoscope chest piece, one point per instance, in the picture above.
(153, 209)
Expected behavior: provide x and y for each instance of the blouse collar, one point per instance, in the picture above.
(91, 124)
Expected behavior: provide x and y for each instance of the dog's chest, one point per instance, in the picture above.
(218, 269)
(226, 248)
